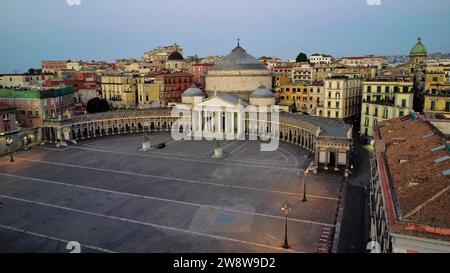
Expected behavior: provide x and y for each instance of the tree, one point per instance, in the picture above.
(97, 105)
(301, 58)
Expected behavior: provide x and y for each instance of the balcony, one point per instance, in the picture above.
(381, 102)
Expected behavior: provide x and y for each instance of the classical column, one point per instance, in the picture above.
(307, 140)
(232, 117)
(316, 156)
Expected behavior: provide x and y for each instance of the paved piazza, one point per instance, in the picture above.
(108, 196)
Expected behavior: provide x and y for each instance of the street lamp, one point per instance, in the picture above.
(9, 142)
(304, 185)
(286, 207)
(305, 173)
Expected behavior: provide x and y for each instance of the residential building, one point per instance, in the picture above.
(322, 71)
(308, 97)
(437, 88)
(149, 91)
(158, 57)
(280, 80)
(173, 84)
(34, 104)
(369, 60)
(410, 186)
(199, 72)
(366, 72)
(269, 62)
(437, 101)
(22, 80)
(120, 90)
(320, 59)
(77, 79)
(302, 73)
(8, 127)
(54, 66)
(342, 98)
(383, 100)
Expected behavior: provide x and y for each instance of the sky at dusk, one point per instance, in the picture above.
(33, 30)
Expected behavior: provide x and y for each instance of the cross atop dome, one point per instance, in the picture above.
(238, 40)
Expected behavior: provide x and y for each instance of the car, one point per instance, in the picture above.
(161, 145)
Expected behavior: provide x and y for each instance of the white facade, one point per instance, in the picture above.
(320, 59)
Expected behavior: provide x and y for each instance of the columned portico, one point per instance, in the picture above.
(330, 150)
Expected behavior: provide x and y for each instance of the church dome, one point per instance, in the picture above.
(175, 56)
(193, 91)
(238, 59)
(418, 48)
(261, 92)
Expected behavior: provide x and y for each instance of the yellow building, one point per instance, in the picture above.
(281, 79)
(437, 88)
(149, 89)
(384, 100)
(367, 72)
(440, 102)
(120, 90)
(308, 97)
(342, 98)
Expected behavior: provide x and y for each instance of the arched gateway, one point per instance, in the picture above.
(329, 140)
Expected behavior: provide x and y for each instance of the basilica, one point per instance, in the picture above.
(237, 94)
(238, 74)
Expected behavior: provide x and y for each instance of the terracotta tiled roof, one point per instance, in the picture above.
(422, 190)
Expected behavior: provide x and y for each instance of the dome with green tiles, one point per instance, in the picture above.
(418, 48)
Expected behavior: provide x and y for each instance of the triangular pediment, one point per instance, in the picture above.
(216, 102)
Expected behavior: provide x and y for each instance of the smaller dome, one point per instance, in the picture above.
(175, 56)
(262, 92)
(418, 48)
(193, 91)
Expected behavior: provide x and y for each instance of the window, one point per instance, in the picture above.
(337, 104)
(369, 89)
(447, 106)
(433, 105)
(395, 89)
(387, 89)
(329, 95)
(405, 89)
(329, 104)
(403, 103)
(375, 114)
(337, 114)
(367, 110)
(378, 89)
(385, 113)
(329, 114)
(366, 122)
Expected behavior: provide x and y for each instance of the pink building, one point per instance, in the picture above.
(199, 72)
